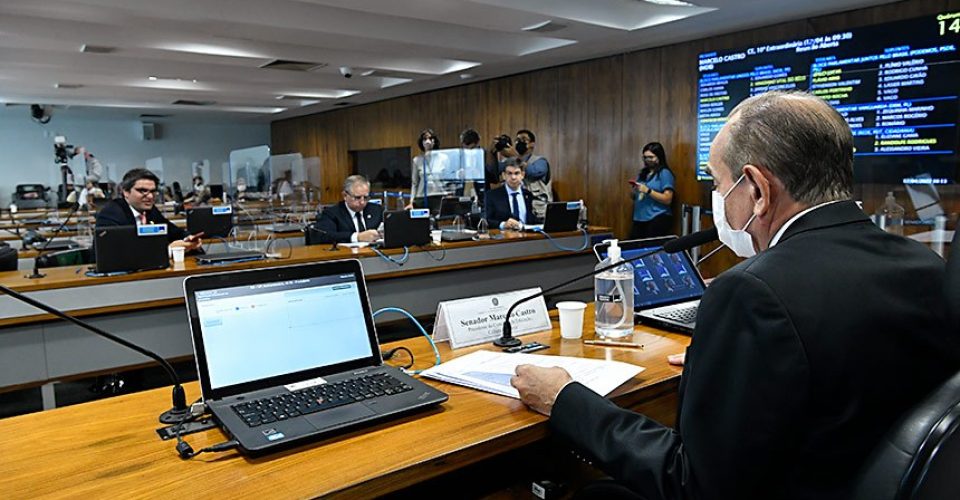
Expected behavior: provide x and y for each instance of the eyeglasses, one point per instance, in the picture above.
(145, 191)
(358, 198)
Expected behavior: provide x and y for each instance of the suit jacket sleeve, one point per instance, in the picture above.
(496, 212)
(112, 215)
(328, 223)
(741, 398)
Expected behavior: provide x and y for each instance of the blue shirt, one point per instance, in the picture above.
(646, 209)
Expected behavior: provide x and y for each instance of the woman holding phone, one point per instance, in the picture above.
(652, 193)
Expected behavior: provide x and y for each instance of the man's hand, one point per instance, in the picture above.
(191, 242)
(677, 359)
(539, 387)
(513, 224)
(368, 235)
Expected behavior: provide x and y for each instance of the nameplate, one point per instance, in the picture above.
(419, 213)
(475, 320)
(222, 210)
(152, 230)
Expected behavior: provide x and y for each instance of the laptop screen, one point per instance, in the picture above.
(257, 331)
(659, 279)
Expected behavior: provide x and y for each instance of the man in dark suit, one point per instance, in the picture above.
(510, 206)
(137, 207)
(353, 219)
(803, 355)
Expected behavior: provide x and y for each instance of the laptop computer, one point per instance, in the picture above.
(130, 248)
(289, 354)
(560, 217)
(406, 228)
(666, 287)
(213, 222)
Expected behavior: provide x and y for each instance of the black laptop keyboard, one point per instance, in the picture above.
(687, 315)
(317, 398)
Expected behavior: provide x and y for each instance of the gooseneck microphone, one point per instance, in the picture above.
(36, 261)
(680, 244)
(171, 416)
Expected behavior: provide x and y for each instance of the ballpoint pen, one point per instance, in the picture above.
(613, 343)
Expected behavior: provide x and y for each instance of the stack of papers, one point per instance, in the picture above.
(491, 371)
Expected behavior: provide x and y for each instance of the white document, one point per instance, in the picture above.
(475, 320)
(491, 371)
(354, 244)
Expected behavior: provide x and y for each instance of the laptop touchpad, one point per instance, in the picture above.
(340, 415)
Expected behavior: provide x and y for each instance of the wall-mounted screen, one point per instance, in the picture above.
(896, 84)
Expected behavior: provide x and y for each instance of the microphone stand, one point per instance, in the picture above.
(36, 261)
(171, 416)
(678, 245)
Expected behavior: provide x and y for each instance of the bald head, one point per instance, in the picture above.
(798, 137)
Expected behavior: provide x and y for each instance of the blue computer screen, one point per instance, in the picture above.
(662, 278)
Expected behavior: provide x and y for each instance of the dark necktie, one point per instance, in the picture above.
(515, 206)
(360, 227)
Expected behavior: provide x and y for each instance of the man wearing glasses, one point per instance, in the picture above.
(137, 206)
(353, 219)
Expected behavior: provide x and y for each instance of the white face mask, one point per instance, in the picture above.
(738, 240)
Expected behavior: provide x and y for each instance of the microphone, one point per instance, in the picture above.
(680, 244)
(171, 416)
(36, 261)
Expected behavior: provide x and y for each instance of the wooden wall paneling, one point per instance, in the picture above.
(641, 122)
(604, 79)
(573, 177)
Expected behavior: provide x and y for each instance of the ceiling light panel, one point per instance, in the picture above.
(627, 15)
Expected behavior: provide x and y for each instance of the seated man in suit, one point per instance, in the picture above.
(510, 206)
(804, 354)
(353, 219)
(138, 206)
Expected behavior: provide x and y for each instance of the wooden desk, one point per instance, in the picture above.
(109, 449)
(147, 308)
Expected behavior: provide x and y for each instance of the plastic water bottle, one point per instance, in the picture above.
(613, 293)
(890, 215)
(582, 218)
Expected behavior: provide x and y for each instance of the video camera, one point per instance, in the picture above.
(62, 151)
(502, 142)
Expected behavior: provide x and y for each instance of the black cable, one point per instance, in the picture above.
(186, 452)
(390, 353)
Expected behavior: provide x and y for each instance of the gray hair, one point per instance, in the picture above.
(349, 182)
(800, 138)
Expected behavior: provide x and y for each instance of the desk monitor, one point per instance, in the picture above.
(433, 202)
(406, 228)
(216, 191)
(561, 217)
(131, 248)
(214, 222)
(452, 206)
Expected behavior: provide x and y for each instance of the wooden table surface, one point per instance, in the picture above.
(109, 449)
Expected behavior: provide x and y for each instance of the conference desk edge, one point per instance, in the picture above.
(653, 392)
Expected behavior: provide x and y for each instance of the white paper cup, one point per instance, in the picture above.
(177, 253)
(436, 234)
(571, 319)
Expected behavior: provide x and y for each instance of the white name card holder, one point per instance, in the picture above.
(475, 320)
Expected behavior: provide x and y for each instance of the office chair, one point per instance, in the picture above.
(69, 257)
(952, 282)
(8, 258)
(919, 458)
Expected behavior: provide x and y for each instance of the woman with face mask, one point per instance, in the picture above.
(652, 193)
(426, 170)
